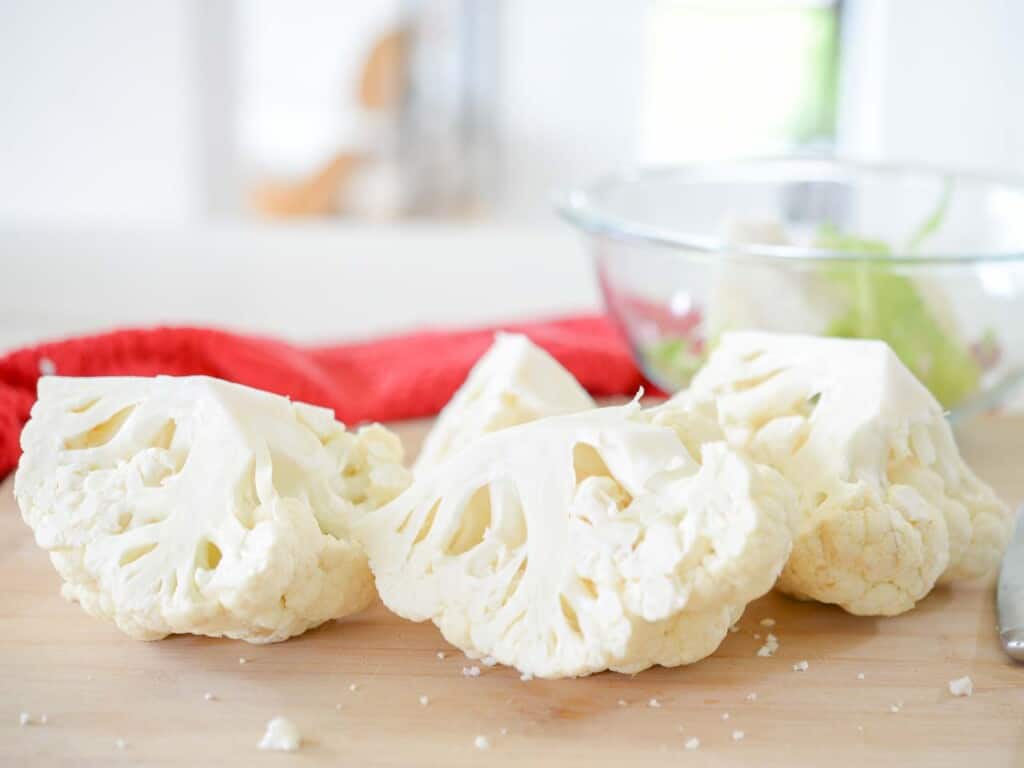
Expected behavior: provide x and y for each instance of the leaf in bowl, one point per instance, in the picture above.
(883, 304)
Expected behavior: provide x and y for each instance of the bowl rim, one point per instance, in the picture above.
(579, 207)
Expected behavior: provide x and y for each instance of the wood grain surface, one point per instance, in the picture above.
(97, 686)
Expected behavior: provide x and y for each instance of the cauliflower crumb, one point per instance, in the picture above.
(734, 628)
(424, 701)
(441, 655)
(962, 686)
(801, 666)
(771, 645)
(242, 660)
(896, 707)
(43, 719)
(692, 743)
(654, 704)
(504, 731)
(860, 675)
(526, 677)
(622, 703)
(751, 696)
(482, 742)
(471, 671)
(768, 622)
(24, 719)
(353, 687)
(488, 661)
(725, 715)
(121, 744)
(209, 696)
(281, 735)
(738, 735)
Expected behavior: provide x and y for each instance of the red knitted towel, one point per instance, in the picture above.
(397, 378)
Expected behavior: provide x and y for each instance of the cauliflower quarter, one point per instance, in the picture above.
(583, 542)
(514, 382)
(887, 507)
(191, 505)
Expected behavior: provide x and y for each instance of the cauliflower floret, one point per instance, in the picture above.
(746, 295)
(191, 505)
(514, 382)
(886, 505)
(583, 542)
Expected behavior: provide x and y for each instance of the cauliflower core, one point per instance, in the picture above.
(582, 542)
(514, 382)
(191, 505)
(886, 505)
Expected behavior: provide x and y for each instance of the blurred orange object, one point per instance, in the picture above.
(380, 92)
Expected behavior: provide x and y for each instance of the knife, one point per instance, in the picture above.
(1010, 600)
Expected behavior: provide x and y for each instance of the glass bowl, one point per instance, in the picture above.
(931, 262)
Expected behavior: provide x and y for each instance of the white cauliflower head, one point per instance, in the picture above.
(583, 542)
(191, 505)
(514, 382)
(886, 505)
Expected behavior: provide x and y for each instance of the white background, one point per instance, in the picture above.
(118, 111)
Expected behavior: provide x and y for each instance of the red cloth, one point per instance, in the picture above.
(396, 378)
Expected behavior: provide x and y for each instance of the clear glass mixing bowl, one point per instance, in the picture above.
(931, 262)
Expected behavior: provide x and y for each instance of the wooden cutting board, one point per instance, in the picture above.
(96, 685)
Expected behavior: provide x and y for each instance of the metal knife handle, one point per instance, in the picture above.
(1010, 595)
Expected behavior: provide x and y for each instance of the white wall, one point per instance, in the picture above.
(569, 95)
(112, 111)
(99, 112)
(935, 81)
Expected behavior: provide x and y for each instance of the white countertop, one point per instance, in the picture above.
(310, 282)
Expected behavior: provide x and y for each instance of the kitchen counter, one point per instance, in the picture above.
(311, 282)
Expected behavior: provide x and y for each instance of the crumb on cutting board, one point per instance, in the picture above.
(962, 686)
(771, 645)
(281, 735)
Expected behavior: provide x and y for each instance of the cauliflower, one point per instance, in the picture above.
(746, 295)
(886, 505)
(191, 505)
(583, 542)
(513, 383)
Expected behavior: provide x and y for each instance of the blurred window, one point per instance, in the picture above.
(738, 78)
